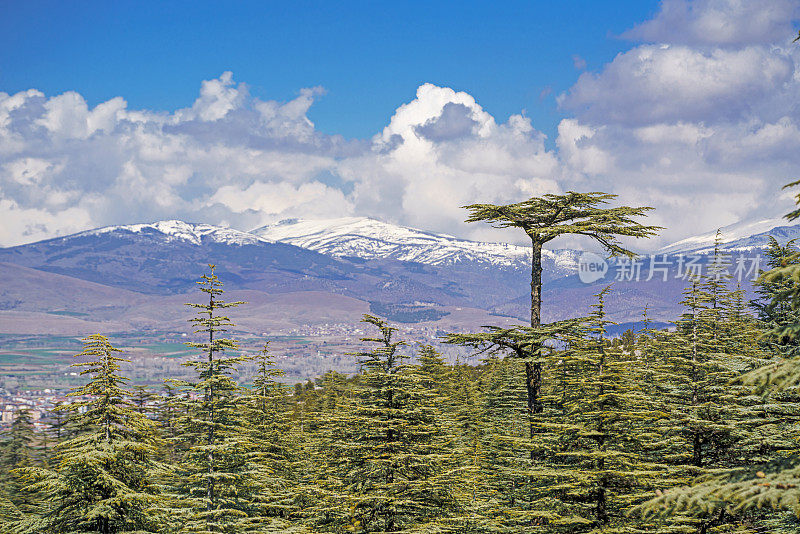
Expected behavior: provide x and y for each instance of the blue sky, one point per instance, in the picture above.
(245, 113)
(369, 56)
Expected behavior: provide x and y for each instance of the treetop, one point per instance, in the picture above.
(549, 216)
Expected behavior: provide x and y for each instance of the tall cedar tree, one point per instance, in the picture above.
(599, 464)
(548, 217)
(215, 484)
(101, 479)
(17, 450)
(272, 449)
(384, 461)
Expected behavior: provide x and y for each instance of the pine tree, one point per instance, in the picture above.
(774, 310)
(504, 500)
(17, 443)
(100, 480)
(613, 412)
(60, 425)
(166, 410)
(141, 397)
(775, 419)
(272, 448)
(517, 446)
(314, 416)
(17, 451)
(384, 463)
(215, 485)
(699, 430)
(459, 407)
(716, 423)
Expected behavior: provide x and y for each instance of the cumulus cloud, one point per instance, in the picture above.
(669, 83)
(699, 120)
(243, 161)
(444, 145)
(719, 22)
(65, 167)
(282, 199)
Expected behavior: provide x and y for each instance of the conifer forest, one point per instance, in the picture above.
(561, 428)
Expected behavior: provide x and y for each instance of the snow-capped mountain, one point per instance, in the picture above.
(369, 239)
(740, 237)
(167, 255)
(174, 230)
(388, 269)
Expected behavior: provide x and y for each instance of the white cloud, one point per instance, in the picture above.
(217, 98)
(27, 171)
(673, 83)
(106, 115)
(24, 225)
(441, 151)
(282, 199)
(576, 150)
(719, 22)
(234, 158)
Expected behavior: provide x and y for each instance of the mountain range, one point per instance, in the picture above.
(128, 276)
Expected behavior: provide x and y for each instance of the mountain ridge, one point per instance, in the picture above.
(745, 236)
(191, 232)
(368, 238)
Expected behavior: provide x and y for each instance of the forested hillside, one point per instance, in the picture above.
(560, 429)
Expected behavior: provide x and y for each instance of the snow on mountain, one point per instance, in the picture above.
(371, 239)
(740, 237)
(182, 231)
(354, 237)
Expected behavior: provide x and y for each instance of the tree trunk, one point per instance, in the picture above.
(533, 376)
(697, 442)
(533, 371)
(210, 401)
(536, 284)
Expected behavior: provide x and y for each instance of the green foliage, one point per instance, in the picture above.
(774, 309)
(101, 479)
(18, 443)
(544, 219)
(598, 455)
(272, 448)
(214, 487)
(17, 451)
(384, 461)
(550, 216)
(745, 407)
